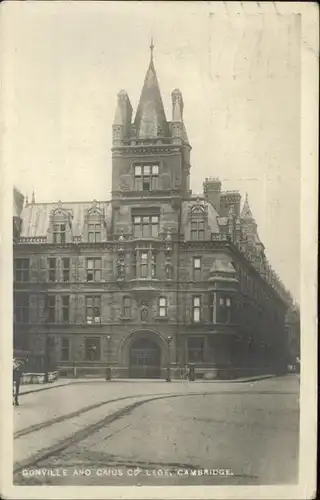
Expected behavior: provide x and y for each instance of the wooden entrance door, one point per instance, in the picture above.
(145, 359)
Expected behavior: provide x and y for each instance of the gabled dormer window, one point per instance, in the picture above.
(59, 233)
(197, 222)
(197, 230)
(94, 232)
(95, 224)
(61, 225)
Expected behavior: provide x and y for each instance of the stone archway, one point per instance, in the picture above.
(144, 354)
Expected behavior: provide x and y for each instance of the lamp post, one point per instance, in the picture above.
(108, 369)
(168, 379)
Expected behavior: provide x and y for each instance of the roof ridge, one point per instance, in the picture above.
(67, 202)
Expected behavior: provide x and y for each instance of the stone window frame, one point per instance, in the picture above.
(163, 307)
(196, 306)
(64, 348)
(22, 272)
(95, 216)
(127, 306)
(149, 265)
(21, 307)
(198, 214)
(65, 308)
(65, 269)
(144, 222)
(151, 175)
(96, 305)
(52, 269)
(94, 231)
(94, 269)
(59, 232)
(224, 304)
(51, 306)
(197, 270)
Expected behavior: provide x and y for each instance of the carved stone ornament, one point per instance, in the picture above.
(168, 235)
(168, 270)
(168, 240)
(120, 245)
(95, 210)
(120, 269)
(61, 211)
(144, 312)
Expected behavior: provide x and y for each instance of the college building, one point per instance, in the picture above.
(153, 279)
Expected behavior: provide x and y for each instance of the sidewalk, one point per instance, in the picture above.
(31, 388)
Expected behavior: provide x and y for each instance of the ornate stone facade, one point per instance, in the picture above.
(155, 277)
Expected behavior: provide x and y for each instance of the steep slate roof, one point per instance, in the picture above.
(150, 114)
(36, 217)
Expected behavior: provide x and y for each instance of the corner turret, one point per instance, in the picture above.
(212, 191)
(122, 119)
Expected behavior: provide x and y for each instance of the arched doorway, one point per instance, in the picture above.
(144, 359)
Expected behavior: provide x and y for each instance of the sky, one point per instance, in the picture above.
(237, 66)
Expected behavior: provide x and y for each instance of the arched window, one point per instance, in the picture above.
(198, 222)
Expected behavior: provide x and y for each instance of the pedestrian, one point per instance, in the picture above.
(17, 374)
(192, 373)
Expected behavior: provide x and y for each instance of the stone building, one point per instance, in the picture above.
(155, 277)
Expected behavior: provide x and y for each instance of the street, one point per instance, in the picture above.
(155, 433)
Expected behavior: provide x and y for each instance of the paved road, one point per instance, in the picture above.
(248, 432)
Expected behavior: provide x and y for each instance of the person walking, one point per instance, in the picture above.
(17, 374)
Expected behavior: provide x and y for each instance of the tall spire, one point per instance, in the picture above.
(150, 120)
(246, 210)
(151, 49)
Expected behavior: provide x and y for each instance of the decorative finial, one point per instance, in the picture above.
(247, 197)
(168, 235)
(151, 48)
(33, 200)
(27, 201)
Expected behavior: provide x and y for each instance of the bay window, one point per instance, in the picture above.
(224, 310)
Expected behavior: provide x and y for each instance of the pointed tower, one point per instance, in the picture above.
(150, 121)
(151, 156)
(248, 221)
(246, 213)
